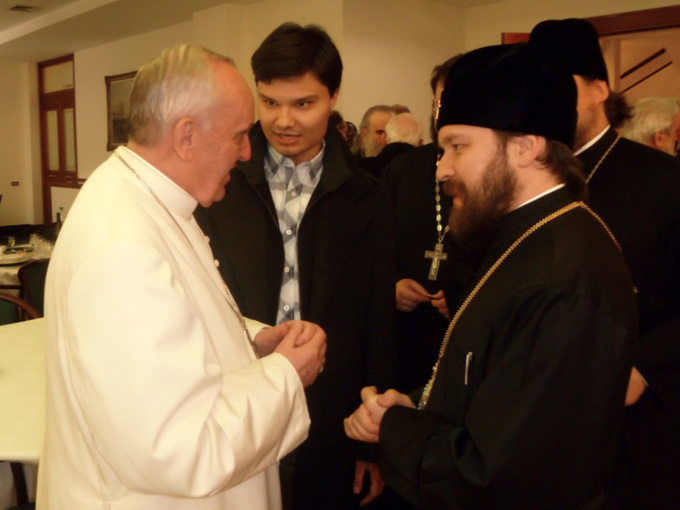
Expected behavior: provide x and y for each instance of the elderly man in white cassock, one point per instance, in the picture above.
(160, 394)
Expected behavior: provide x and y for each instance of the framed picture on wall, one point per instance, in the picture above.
(118, 89)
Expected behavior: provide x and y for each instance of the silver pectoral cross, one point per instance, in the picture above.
(437, 255)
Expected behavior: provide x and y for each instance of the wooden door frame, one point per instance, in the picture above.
(622, 23)
(637, 21)
(64, 99)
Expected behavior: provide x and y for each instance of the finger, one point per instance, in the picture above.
(392, 397)
(415, 297)
(374, 492)
(377, 485)
(364, 423)
(309, 330)
(368, 392)
(359, 473)
(353, 431)
(294, 330)
(285, 328)
(361, 429)
(405, 307)
(388, 399)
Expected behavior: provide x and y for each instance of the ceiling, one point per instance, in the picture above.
(44, 29)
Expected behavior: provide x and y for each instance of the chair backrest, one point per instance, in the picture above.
(49, 231)
(32, 278)
(14, 309)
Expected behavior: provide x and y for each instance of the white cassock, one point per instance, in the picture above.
(155, 398)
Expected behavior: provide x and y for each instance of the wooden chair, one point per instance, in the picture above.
(14, 309)
(22, 311)
(32, 278)
(49, 231)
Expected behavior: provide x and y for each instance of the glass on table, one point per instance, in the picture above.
(11, 241)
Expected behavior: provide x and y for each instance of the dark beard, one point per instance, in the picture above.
(475, 222)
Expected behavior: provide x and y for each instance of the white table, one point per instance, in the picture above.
(22, 391)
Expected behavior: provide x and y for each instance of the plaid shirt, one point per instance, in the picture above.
(291, 188)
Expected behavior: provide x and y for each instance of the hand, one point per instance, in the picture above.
(377, 484)
(304, 345)
(309, 330)
(364, 423)
(268, 338)
(361, 427)
(636, 387)
(410, 294)
(439, 302)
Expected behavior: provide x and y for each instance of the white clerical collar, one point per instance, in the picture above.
(591, 142)
(173, 197)
(541, 195)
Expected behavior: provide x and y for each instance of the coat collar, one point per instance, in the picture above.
(338, 164)
(592, 155)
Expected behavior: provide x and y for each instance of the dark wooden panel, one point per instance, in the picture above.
(637, 21)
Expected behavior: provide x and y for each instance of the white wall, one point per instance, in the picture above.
(485, 24)
(16, 163)
(222, 29)
(390, 49)
(91, 66)
(263, 17)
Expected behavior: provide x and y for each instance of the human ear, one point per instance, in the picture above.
(660, 140)
(334, 98)
(600, 90)
(184, 138)
(528, 148)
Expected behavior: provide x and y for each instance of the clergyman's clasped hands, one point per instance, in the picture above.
(364, 423)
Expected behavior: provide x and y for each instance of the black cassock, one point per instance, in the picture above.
(636, 191)
(411, 180)
(528, 401)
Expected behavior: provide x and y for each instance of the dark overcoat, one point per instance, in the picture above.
(346, 265)
(636, 191)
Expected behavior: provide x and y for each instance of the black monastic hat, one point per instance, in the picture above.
(572, 44)
(510, 88)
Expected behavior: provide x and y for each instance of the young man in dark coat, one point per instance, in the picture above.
(526, 400)
(636, 191)
(304, 232)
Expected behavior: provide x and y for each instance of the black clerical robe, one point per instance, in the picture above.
(636, 191)
(375, 165)
(345, 267)
(528, 401)
(411, 179)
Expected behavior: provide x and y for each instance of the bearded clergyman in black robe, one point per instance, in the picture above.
(525, 402)
(636, 190)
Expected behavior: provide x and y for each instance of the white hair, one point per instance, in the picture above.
(178, 83)
(405, 128)
(651, 115)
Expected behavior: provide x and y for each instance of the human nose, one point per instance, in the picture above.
(284, 119)
(244, 153)
(445, 169)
